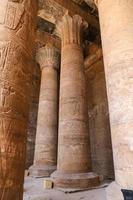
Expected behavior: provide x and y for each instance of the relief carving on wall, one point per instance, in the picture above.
(16, 16)
(13, 15)
(14, 70)
(16, 47)
(51, 11)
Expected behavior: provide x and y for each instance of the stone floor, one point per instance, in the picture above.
(33, 190)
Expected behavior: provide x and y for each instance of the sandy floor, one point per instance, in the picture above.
(33, 190)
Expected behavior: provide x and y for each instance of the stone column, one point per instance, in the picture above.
(17, 25)
(116, 21)
(46, 138)
(74, 163)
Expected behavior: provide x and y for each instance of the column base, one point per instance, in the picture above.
(41, 171)
(113, 192)
(77, 181)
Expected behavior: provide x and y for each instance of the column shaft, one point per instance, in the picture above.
(116, 20)
(17, 24)
(73, 126)
(74, 161)
(46, 140)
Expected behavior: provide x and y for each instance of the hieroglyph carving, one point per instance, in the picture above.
(17, 18)
(17, 15)
(15, 58)
(13, 15)
(51, 10)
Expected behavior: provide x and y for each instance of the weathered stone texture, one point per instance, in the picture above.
(54, 10)
(73, 115)
(99, 125)
(74, 163)
(46, 137)
(116, 19)
(17, 22)
(32, 125)
(44, 38)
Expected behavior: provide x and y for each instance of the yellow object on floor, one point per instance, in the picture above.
(48, 184)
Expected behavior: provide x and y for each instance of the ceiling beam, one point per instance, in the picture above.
(53, 10)
(73, 9)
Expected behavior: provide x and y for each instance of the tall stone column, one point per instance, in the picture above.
(74, 163)
(46, 138)
(116, 21)
(17, 25)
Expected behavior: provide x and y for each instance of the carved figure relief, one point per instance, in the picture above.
(53, 11)
(3, 5)
(13, 15)
(3, 54)
(16, 47)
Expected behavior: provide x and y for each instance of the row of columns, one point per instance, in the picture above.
(118, 55)
(72, 109)
(17, 22)
(74, 157)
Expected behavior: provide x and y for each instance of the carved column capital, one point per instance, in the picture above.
(70, 29)
(48, 56)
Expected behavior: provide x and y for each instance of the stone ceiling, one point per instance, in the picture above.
(51, 11)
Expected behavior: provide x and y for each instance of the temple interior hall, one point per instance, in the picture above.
(66, 100)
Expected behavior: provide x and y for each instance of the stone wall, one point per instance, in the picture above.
(33, 117)
(99, 126)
